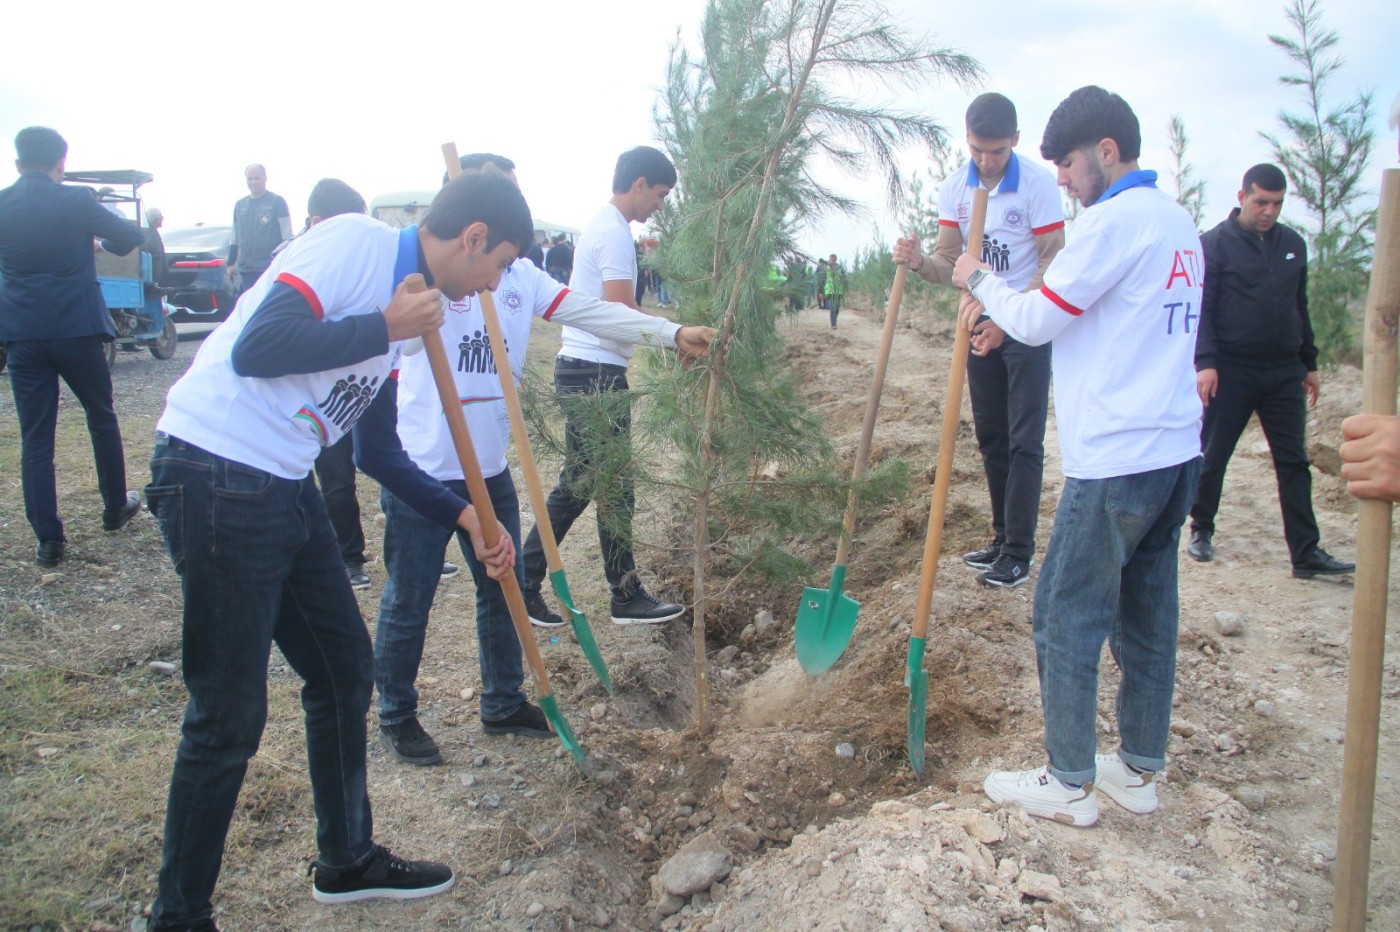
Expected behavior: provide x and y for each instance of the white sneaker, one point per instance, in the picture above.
(1041, 795)
(1135, 792)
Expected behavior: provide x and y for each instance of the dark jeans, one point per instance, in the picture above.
(1010, 396)
(1110, 574)
(335, 470)
(1276, 394)
(413, 552)
(573, 377)
(35, 368)
(258, 562)
(833, 304)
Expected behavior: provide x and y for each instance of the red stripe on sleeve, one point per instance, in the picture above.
(305, 290)
(555, 304)
(947, 223)
(1060, 302)
(1048, 228)
(394, 374)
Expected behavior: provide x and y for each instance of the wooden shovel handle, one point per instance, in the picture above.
(1373, 541)
(512, 399)
(933, 542)
(872, 408)
(476, 488)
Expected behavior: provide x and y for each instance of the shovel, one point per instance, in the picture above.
(490, 529)
(916, 678)
(826, 618)
(577, 620)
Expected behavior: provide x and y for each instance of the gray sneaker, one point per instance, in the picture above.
(1006, 573)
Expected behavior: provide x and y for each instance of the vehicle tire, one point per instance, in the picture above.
(163, 346)
(112, 355)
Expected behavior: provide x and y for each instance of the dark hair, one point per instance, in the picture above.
(39, 147)
(1086, 116)
(332, 197)
(474, 161)
(992, 116)
(643, 162)
(1265, 177)
(485, 197)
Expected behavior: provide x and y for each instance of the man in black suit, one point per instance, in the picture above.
(56, 324)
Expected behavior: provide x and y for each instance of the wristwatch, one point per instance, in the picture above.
(975, 279)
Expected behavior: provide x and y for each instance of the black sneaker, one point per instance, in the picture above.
(633, 605)
(359, 579)
(383, 876)
(1200, 548)
(1321, 563)
(449, 569)
(49, 552)
(527, 721)
(1007, 572)
(541, 615)
(984, 558)
(121, 517)
(408, 742)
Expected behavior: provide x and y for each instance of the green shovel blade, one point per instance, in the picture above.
(582, 631)
(825, 621)
(561, 727)
(917, 681)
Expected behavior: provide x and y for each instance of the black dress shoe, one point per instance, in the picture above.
(116, 520)
(1321, 563)
(49, 552)
(1200, 547)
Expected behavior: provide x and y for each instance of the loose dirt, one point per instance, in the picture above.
(804, 781)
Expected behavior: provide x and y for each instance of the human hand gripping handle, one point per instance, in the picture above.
(414, 310)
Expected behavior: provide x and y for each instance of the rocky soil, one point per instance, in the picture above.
(799, 811)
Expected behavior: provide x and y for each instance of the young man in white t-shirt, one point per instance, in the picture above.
(1121, 303)
(1009, 380)
(414, 545)
(300, 362)
(605, 266)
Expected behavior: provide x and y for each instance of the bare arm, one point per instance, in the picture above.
(621, 291)
(946, 249)
(1047, 245)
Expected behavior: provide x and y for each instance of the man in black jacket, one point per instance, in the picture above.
(56, 324)
(1255, 354)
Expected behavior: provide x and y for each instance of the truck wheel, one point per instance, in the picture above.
(163, 346)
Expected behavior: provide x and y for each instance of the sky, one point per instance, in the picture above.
(192, 91)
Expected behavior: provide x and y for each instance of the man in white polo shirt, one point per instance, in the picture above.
(1121, 304)
(1009, 380)
(414, 545)
(605, 266)
(300, 362)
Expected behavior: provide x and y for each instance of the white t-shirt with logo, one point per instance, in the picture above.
(1121, 302)
(1024, 204)
(343, 267)
(525, 292)
(605, 253)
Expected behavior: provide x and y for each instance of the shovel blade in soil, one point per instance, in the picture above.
(826, 619)
(579, 621)
(917, 679)
(561, 727)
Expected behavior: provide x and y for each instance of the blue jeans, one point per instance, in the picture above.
(1110, 574)
(258, 562)
(413, 551)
